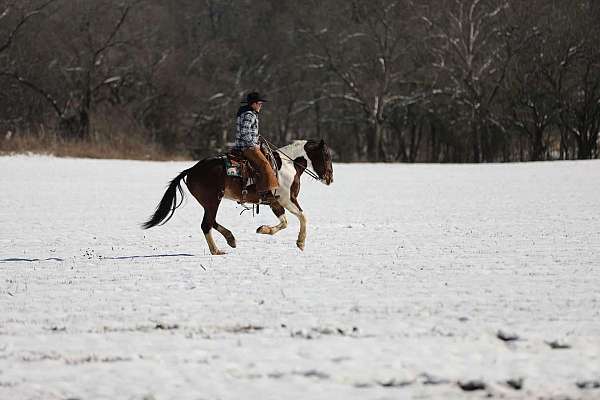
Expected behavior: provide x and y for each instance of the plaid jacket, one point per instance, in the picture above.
(246, 129)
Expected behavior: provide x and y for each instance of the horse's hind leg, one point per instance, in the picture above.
(208, 222)
(226, 233)
(206, 182)
(279, 212)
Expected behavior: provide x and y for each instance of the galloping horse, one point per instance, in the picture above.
(209, 182)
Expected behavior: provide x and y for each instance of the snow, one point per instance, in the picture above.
(410, 274)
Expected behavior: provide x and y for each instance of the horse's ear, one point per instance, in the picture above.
(322, 143)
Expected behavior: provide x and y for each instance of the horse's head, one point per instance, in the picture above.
(320, 157)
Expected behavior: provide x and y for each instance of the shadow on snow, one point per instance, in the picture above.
(6, 260)
(30, 259)
(150, 256)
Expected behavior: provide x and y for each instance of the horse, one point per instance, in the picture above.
(209, 183)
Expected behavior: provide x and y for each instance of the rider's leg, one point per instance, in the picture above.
(267, 180)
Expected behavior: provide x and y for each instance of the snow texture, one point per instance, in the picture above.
(418, 281)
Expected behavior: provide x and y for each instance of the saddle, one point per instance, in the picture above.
(238, 166)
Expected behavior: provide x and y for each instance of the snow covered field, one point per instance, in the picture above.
(410, 275)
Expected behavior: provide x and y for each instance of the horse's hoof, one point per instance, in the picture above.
(231, 242)
(300, 245)
(218, 253)
(265, 230)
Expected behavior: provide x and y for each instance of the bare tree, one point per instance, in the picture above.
(471, 43)
(366, 56)
(579, 95)
(94, 60)
(529, 107)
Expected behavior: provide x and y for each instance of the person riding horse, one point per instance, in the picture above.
(247, 142)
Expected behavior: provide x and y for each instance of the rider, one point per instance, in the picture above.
(247, 141)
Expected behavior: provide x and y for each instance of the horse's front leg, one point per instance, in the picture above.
(279, 212)
(295, 209)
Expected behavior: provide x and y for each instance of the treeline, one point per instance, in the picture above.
(379, 80)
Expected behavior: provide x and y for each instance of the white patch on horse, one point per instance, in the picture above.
(295, 150)
(214, 250)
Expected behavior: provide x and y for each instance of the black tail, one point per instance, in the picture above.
(167, 206)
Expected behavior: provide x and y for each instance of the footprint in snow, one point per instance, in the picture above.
(589, 384)
(558, 344)
(516, 384)
(470, 386)
(507, 336)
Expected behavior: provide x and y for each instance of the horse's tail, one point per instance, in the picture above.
(167, 206)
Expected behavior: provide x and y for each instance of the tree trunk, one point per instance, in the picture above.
(415, 141)
(84, 124)
(537, 151)
(584, 147)
(318, 119)
(374, 142)
(564, 145)
(476, 145)
(433, 143)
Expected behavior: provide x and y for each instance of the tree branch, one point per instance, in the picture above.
(22, 21)
(109, 40)
(36, 89)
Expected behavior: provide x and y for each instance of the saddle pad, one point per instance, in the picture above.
(233, 167)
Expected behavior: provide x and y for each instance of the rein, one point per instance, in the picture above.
(310, 172)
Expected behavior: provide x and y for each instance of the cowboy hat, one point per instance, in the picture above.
(253, 97)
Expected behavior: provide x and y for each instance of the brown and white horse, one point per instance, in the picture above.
(208, 182)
